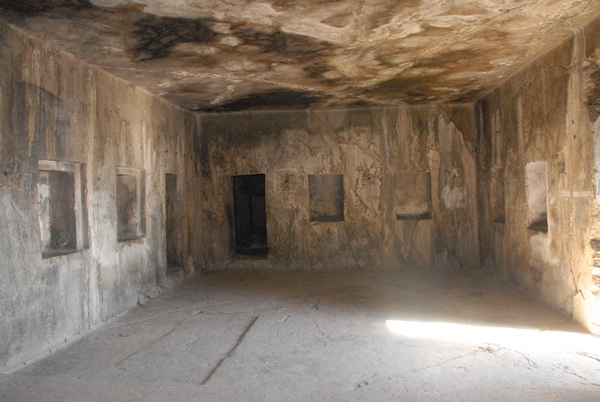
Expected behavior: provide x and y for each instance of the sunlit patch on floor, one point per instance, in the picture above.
(520, 338)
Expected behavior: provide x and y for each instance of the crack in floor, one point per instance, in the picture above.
(149, 344)
(588, 355)
(169, 312)
(230, 352)
(364, 382)
(568, 371)
(488, 349)
(532, 363)
(563, 369)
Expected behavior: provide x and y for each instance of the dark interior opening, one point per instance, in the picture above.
(173, 227)
(128, 208)
(57, 213)
(250, 214)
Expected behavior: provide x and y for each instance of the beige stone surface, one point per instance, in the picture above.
(448, 335)
(232, 55)
(431, 111)
(375, 150)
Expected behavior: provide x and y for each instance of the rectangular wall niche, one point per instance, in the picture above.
(250, 214)
(326, 197)
(413, 196)
(130, 204)
(60, 206)
(536, 183)
(172, 224)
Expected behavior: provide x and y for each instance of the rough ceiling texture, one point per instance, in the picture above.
(221, 55)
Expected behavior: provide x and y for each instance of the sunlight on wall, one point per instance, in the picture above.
(520, 338)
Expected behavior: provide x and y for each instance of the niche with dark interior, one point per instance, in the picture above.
(172, 224)
(250, 214)
(326, 197)
(413, 196)
(536, 183)
(130, 204)
(60, 208)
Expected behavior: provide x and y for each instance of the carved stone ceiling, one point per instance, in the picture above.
(218, 55)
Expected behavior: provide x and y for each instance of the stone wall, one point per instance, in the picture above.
(409, 186)
(537, 185)
(84, 159)
(66, 131)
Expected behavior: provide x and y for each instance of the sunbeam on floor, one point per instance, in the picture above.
(521, 338)
(338, 336)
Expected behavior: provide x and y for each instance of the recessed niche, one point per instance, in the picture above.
(130, 204)
(60, 207)
(172, 224)
(536, 183)
(326, 197)
(497, 195)
(250, 214)
(413, 196)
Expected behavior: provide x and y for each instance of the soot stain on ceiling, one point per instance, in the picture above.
(276, 99)
(226, 56)
(157, 35)
(37, 6)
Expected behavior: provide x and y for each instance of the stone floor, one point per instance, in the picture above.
(258, 336)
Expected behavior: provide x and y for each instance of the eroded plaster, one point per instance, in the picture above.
(236, 55)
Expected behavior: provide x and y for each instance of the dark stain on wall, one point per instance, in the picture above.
(592, 86)
(464, 119)
(246, 130)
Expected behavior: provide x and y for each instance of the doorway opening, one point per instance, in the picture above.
(172, 224)
(250, 214)
(130, 204)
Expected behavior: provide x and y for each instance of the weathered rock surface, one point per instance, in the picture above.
(235, 55)
(345, 336)
(106, 96)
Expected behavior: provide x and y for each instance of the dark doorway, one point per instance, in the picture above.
(172, 224)
(250, 214)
